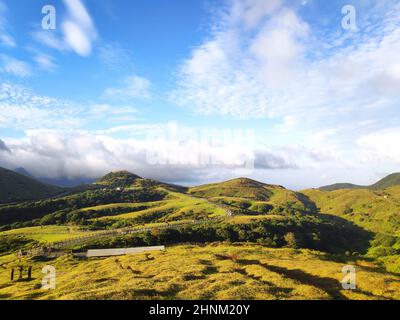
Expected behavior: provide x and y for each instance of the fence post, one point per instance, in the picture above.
(12, 274)
(29, 272)
(20, 268)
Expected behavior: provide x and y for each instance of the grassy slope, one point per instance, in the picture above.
(387, 182)
(255, 197)
(377, 211)
(17, 187)
(177, 206)
(47, 234)
(212, 272)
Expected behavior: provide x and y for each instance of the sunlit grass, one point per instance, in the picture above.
(216, 271)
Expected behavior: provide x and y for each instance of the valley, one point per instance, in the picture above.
(238, 239)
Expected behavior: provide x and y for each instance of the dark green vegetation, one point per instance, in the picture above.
(295, 231)
(17, 187)
(387, 182)
(377, 211)
(349, 221)
(12, 243)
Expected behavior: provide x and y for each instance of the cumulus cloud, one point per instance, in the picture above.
(277, 65)
(380, 146)
(52, 154)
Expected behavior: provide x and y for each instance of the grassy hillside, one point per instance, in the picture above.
(347, 223)
(216, 271)
(387, 182)
(176, 206)
(377, 211)
(17, 187)
(247, 196)
(118, 179)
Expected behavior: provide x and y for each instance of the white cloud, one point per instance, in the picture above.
(50, 153)
(49, 39)
(45, 61)
(23, 109)
(5, 38)
(283, 68)
(380, 146)
(14, 66)
(134, 87)
(115, 57)
(79, 30)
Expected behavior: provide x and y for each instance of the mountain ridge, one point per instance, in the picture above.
(386, 182)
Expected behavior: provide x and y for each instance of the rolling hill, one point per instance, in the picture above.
(375, 210)
(247, 196)
(123, 209)
(389, 181)
(18, 187)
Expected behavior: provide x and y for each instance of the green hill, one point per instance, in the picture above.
(253, 197)
(375, 210)
(389, 181)
(118, 179)
(17, 187)
(339, 186)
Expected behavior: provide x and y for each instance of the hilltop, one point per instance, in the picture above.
(118, 179)
(238, 210)
(389, 181)
(252, 197)
(19, 187)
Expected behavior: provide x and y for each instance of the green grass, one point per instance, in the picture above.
(246, 196)
(216, 271)
(177, 206)
(47, 234)
(377, 211)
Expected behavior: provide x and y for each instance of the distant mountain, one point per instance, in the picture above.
(389, 181)
(66, 182)
(23, 172)
(17, 187)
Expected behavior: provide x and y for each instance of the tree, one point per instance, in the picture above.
(291, 240)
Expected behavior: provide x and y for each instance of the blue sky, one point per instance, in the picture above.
(276, 90)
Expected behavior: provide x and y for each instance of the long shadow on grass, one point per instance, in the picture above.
(329, 285)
